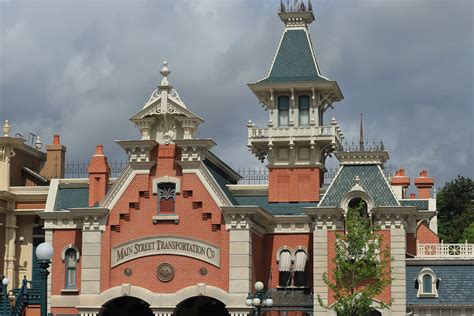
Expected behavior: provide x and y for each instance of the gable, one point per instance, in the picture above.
(372, 181)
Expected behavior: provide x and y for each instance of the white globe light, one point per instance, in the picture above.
(269, 302)
(256, 301)
(248, 302)
(259, 286)
(5, 281)
(44, 251)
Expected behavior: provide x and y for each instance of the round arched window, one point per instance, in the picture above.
(358, 202)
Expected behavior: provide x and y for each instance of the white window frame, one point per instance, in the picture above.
(434, 280)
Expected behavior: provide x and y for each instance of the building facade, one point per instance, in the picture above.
(177, 234)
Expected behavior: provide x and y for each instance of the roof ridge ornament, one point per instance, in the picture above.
(165, 72)
(297, 14)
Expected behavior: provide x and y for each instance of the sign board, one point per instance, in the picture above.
(165, 245)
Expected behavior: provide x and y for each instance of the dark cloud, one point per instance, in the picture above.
(82, 69)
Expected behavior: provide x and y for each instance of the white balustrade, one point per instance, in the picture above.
(445, 251)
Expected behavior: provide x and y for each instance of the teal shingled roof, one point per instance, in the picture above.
(454, 288)
(222, 179)
(73, 198)
(371, 179)
(420, 204)
(275, 208)
(294, 60)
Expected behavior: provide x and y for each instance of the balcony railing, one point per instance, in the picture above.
(295, 133)
(445, 251)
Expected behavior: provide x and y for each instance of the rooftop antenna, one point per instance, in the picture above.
(361, 135)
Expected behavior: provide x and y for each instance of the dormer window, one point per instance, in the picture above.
(427, 283)
(283, 110)
(303, 109)
(166, 197)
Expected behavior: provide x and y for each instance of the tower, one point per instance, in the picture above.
(296, 95)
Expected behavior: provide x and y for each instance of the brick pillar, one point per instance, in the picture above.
(99, 173)
(424, 185)
(55, 160)
(398, 286)
(320, 263)
(400, 183)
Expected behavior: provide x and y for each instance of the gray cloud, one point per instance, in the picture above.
(82, 69)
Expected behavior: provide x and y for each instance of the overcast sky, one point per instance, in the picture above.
(83, 68)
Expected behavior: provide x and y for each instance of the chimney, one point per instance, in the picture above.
(55, 160)
(412, 196)
(424, 184)
(400, 183)
(99, 173)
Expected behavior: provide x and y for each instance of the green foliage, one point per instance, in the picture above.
(455, 203)
(362, 267)
(468, 234)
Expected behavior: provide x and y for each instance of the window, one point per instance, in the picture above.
(300, 265)
(427, 283)
(71, 265)
(358, 202)
(303, 109)
(283, 110)
(166, 197)
(284, 268)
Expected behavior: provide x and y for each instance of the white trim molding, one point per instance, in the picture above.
(166, 179)
(434, 281)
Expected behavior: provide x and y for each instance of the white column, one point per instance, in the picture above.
(320, 266)
(90, 259)
(10, 249)
(398, 286)
(240, 261)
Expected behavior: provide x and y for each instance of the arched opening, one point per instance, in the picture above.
(126, 306)
(201, 306)
(358, 202)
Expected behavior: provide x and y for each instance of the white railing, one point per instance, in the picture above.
(295, 132)
(445, 251)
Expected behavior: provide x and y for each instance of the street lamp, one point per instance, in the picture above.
(44, 253)
(259, 299)
(5, 282)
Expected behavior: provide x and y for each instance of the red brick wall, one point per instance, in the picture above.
(294, 185)
(139, 209)
(62, 238)
(411, 243)
(273, 242)
(258, 259)
(385, 296)
(424, 235)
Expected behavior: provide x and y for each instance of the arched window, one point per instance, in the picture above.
(70, 259)
(303, 109)
(427, 283)
(166, 197)
(283, 110)
(284, 268)
(300, 265)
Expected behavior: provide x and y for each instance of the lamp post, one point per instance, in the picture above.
(5, 282)
(44, 253)
(259, 299)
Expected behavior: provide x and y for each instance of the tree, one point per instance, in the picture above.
(362, 267)
(468, 234)
(455, 203)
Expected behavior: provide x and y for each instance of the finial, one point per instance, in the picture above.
(165, 73)
(361, 135)
(357, 180)
(38, 143)
(6, 129)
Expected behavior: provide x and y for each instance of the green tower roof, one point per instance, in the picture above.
(294, 60)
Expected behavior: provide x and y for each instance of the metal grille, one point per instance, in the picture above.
(78, 169)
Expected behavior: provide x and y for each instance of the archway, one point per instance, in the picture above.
(201, 306)
(126, 306)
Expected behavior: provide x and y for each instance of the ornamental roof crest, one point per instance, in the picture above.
(164, 117)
